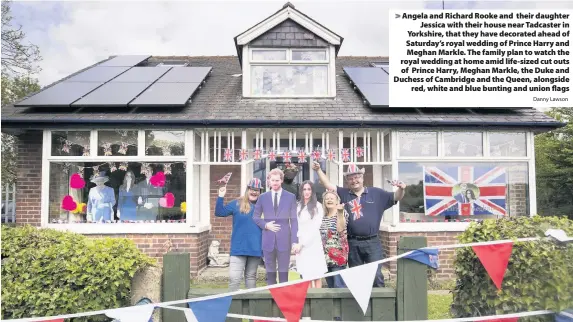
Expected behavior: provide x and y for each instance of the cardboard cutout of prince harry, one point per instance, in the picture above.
(280, 227)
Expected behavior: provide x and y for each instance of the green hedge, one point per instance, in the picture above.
(539, 275)
(47, 272)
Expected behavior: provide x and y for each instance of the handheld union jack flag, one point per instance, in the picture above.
(287, 157)
(301, 156)
(330, 155)
(465, 190)
(355, 208)
(316, 155)
(359, 152)
(227, 155)
(244, 155)
(226, 178)
(345, 155)
(257, 154)
(272, 156)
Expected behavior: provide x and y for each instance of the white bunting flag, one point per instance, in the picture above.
(189, 315)
(131, 314)
(559, 235)
(359, 281)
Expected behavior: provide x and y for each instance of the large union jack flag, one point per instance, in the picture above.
(446, 190)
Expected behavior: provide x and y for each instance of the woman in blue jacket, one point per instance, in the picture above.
(246, 249)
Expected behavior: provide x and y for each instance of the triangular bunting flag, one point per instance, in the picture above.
(428, 256)
(359, 281)
(494, 259)
(131, 313)
(290, 299)
(189, 316)
(503, 320)
(211, 310)
(54, 320)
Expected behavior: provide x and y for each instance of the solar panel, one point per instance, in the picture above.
(140, 75)
(367, 75)
(112, 94)
(377, 95)
(97, 74)
(124, 61)
(185, 75)
(59, 95)
(170, 94)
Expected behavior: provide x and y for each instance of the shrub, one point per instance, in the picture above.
(539, 275)
(47, 272)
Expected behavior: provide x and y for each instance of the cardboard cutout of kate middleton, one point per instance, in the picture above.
(280, 227)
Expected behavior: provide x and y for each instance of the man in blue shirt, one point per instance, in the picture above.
(365, 205)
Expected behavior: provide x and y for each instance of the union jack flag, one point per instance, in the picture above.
(359, 152)
(465, 190)
(227, 156)
(287, 156)
(272, 156)
(345, 155)
(301, 156)
(355, 208)
(244, 155)
(226, 178)
(316, 155)
(257, 154)
(331, 155)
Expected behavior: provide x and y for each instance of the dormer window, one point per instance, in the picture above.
(288, 55)
(289, 72)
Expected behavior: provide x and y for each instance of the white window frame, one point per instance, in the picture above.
(398, 226)
(329, 63)
(194, 224)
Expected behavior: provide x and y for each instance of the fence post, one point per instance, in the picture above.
(412, 282)
(176, 284)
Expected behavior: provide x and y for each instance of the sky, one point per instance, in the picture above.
(74, 34)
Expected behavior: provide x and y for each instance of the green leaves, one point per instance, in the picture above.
(48, 272)
(539, 275)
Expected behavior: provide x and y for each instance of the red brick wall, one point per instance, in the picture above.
(222, 227)
(446, 256)
(154, 245)
(28, 178)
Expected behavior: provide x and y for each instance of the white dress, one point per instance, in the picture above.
(310, 261)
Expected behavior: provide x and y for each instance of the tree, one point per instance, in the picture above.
(554, 166)
(18, 58)
(18, 64)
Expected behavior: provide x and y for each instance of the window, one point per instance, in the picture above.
(289, 73)
(463, 144)
(507, 144)
(117, 182)
(418, 144)
(440, 191)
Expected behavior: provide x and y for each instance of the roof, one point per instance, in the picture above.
(220, 103)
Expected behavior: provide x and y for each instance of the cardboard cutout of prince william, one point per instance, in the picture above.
(280, 227)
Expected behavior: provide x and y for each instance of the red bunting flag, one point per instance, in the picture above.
(290, 299)
(504, 320)
(494, 259)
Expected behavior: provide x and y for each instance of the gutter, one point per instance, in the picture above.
(19, 122)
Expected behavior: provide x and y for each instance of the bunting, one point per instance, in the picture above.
(494, 259)
(138, 313)
(290, 299)
(359, 281)
(214, 310)
(428, 256)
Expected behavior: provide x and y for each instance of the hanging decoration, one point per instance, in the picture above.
(272, 156)
(158, 179)
(290, 299)
(301, 156)
(68, 203)
(359, 152)
(287, 157)
(494, 259)
(257, 154)
(316, 155)
(86, 151)
(77, 182)
(228, 155)
(167, 201)
(183, 207)
(107, 149)
(345, 155)
(331, 155)
(244, 155)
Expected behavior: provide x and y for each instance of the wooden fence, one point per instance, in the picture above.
(409, 301)
(8, 198)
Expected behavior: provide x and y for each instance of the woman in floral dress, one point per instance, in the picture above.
(334, 240)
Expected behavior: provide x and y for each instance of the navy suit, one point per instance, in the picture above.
(277, 246)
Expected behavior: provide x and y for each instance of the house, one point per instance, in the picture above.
(155, 134)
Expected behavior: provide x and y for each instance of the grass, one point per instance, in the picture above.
(439, 306)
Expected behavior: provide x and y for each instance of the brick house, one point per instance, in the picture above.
(286, 90)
